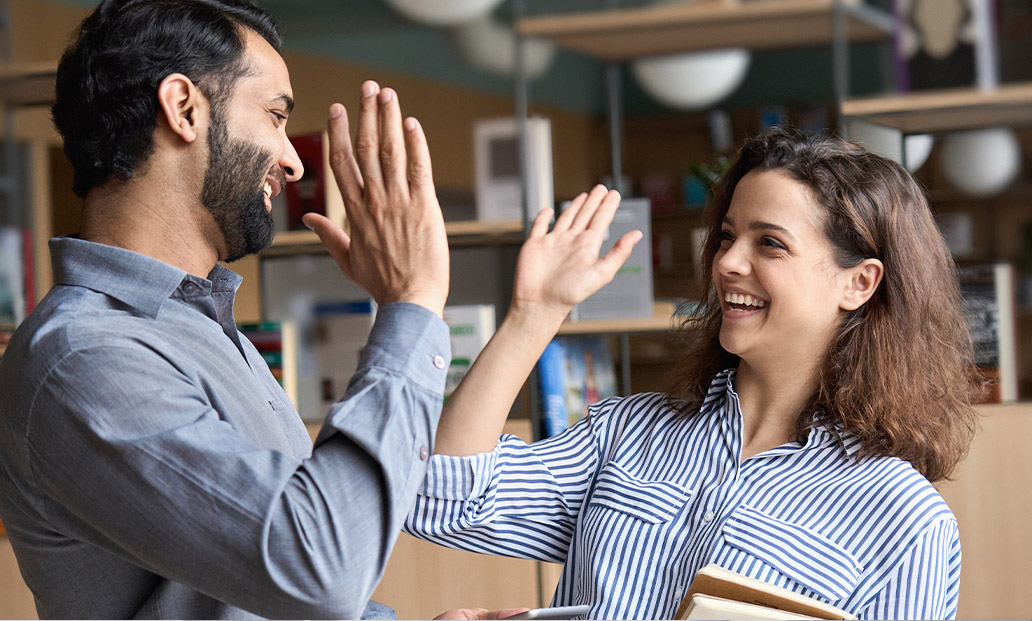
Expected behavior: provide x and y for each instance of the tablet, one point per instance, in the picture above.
(559, 612)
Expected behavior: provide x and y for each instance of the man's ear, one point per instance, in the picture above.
(181, 104)
(863, 282)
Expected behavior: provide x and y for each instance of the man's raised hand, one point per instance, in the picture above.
(397, 249)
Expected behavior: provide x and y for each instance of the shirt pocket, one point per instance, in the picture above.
(653, 502)
(800, 554)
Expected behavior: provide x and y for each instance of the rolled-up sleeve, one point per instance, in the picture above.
(131, 457)
(518, 500)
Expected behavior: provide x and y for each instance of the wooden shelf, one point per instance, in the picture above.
(626, 34)
(460, 233)
(947, 110)
(662, 320)
(27, 84)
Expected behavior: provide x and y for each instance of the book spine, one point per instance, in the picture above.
(550, 376)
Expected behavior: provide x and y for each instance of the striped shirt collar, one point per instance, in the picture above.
(724, 399)
(139, 281)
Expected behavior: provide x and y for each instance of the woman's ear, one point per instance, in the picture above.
(180, 104)
(863, 282)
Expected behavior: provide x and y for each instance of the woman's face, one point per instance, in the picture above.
(779, 287)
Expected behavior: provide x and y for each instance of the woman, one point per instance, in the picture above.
(827, 380)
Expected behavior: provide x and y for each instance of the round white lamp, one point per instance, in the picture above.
(694, 80)
(443, 12)
(885, 142)
(918, 147)
(488, 44)
(982, 162)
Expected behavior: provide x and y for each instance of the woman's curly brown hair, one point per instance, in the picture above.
(899, 376)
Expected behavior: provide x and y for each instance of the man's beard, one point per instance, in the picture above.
(234, 190)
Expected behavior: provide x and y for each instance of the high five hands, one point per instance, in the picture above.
(397, 249)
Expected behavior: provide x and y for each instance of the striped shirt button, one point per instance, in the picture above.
(708, 517)
(423, 453)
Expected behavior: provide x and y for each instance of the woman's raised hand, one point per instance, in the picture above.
(558, 269)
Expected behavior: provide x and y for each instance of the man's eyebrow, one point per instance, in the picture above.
(287, 101)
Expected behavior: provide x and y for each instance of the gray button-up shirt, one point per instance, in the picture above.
(151, 466)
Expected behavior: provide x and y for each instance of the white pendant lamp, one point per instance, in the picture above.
(918, 147)
(982, 162)
(488, 44)
(695, 80)
(443, 12)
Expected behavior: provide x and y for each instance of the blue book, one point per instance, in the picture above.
(550, 376)
(574, 372)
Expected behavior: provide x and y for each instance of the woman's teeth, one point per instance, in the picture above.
(744, 300)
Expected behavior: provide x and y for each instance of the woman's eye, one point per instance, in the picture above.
(770, 242)
(726, 236)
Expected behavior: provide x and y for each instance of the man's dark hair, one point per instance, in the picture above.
(107, 82)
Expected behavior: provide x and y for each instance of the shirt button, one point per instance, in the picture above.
(189, 288)
(423, 453)
(708, 517)
(439, 361)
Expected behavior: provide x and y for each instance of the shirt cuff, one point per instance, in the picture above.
(412, 341)
(464, 478)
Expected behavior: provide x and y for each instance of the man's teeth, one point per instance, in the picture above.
(268, 189)
(744, 300)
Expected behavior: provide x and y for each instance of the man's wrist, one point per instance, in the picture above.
(432, 302)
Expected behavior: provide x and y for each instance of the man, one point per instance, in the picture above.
(151, 466)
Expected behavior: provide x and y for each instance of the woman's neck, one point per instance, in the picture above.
(771, 401)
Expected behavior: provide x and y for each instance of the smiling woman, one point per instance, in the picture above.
(827, 378)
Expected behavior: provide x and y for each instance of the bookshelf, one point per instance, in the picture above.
(946, 110)
(627, 34)
(460, 233)
(663, 319)
(27, 84)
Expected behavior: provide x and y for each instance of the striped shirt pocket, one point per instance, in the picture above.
(653, 502)
(800, 554)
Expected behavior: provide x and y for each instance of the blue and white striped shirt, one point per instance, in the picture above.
(637, 497)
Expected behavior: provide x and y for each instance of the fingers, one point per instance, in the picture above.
(541, 222)
(420, 175)
(367, 142)
(342, 157)
(585, 214)
(618, 254)
(392, 144)
(603, 216)
(333, 238)
(564, 220)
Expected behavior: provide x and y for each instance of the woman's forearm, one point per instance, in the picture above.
(475, 413)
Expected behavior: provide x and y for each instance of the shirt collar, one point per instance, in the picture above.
(723, 385)
(141, 282)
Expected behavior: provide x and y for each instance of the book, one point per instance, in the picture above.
(989, 309)
(470, 327)
(497, 168)
(317, 189)
(574, 373)
(718, 593)
(277, 342)
(630, 292)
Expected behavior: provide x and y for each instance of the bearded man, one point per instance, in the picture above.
(152, 467)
